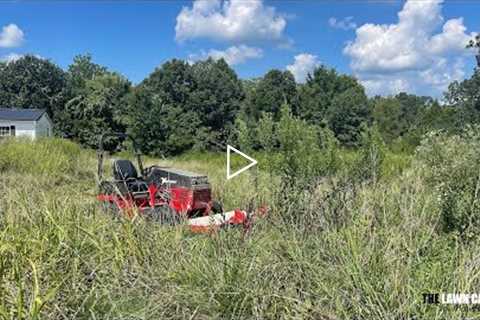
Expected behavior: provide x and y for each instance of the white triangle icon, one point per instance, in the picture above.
(252, 162)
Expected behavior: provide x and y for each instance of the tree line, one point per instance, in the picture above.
(182, 106)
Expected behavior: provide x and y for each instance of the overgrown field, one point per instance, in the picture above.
(363, 240)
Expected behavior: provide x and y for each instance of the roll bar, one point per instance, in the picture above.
(101, 152)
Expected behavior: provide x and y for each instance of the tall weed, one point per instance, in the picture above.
(451, 163)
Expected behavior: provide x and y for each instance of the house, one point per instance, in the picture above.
(25, 122)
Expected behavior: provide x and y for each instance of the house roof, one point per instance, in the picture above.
(21, 114)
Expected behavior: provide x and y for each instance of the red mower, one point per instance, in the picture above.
(167, 195)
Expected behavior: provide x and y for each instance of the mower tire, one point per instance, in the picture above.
(165, 215)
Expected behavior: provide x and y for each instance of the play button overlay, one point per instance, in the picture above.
(236, 173)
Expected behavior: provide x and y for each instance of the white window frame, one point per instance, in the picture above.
(6, 131)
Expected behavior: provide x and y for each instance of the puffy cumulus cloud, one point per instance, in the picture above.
(232, 55)
(344, 24)
(303, 64)
(380, 85)
(11, 36)
(452, 39)
(414, 54)
(234, 21)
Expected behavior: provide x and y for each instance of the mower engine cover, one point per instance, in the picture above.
(190, 192)
(178, 178)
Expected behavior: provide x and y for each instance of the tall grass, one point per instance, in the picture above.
(52, 157)
(345, 249)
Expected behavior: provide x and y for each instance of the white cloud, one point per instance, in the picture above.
(232, 55)
(234, 21)
(303, 65)
(412, 54)
(346, 23)
(11, 36)
(452, 39)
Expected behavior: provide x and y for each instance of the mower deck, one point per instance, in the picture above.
(217, 221)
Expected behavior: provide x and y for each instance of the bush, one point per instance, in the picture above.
(243, 135)
(372, 155)
(452, 165)
(266, 132)
(300, 158)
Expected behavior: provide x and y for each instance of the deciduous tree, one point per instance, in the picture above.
(95, 105)
(271, 92)
(32, 82)
(319, 91)
(349, 111)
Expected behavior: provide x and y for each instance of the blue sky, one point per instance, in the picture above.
(391, 46)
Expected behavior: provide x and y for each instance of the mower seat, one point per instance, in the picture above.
(124, 171)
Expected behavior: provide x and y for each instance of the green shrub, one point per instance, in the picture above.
(300, 158)
(372, 154)
(452, 164)
(266, 132)
(243, 135)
